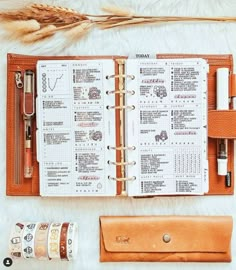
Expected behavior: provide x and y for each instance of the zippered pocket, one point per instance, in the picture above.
(21, 134)
(17, 129)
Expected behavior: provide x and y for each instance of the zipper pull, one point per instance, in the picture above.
(18, 80)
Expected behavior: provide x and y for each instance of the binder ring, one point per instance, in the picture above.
(121, 147)
(122, 179)
(131, 92)
(131, 107)
(132, 77)
(121, 163)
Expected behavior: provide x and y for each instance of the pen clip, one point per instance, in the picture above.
(28, 94)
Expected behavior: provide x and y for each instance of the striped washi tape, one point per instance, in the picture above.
(63, 241)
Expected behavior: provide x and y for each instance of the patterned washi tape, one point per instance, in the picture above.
(28, 240)
(54, 240)
(41, 241)
(72, 241)
(63, 241)
(15, 244)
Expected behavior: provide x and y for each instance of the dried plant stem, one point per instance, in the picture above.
(118, 21)
(45, 20)
(72, 25)
(18, 28)
(39, 35)
(79, 31)
(117, 11)
(44, 14)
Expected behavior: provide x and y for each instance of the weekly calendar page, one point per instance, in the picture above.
(168, 126)
(75, 127)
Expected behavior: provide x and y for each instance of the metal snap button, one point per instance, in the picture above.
(166, 238)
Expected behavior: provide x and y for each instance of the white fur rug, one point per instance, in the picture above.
(211, 38)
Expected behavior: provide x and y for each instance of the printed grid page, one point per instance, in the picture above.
(168, 126)
(75, 127)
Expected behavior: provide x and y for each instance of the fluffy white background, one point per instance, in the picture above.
(209, 38)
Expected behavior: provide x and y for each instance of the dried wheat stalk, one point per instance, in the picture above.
(44, 14)
(79, 31)
(43, 33)
(117, 11)
(38, 21)
(19, 28)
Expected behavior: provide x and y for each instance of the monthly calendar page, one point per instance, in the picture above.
(168, 126)
(74, 127)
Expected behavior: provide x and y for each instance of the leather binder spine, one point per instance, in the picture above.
(121, 149)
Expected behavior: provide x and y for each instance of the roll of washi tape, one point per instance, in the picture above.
(15, 243)
(54, 240)
(63, 241)
(41, 241)
(72, 241)
(28, 240)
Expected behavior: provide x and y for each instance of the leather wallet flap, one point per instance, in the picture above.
(166, 234)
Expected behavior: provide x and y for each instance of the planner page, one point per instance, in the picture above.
(168, 126)
(75, 127)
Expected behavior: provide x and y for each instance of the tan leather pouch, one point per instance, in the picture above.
(165, 238)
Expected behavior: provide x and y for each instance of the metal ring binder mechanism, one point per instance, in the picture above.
(121, 107)
(132, 92)
(132, 77)
(120, 93)
(121, 147)
(121, 163)
(121, 179)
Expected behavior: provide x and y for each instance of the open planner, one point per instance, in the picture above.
(108, 126)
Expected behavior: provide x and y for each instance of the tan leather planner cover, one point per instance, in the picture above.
(220, 124)
(165, 238)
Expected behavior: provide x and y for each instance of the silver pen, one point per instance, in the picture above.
(222, 104)
(28, 107)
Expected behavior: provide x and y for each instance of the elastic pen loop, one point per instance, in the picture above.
(28, 94)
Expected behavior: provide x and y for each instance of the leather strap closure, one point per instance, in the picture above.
(233, 85)
(222, 124)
